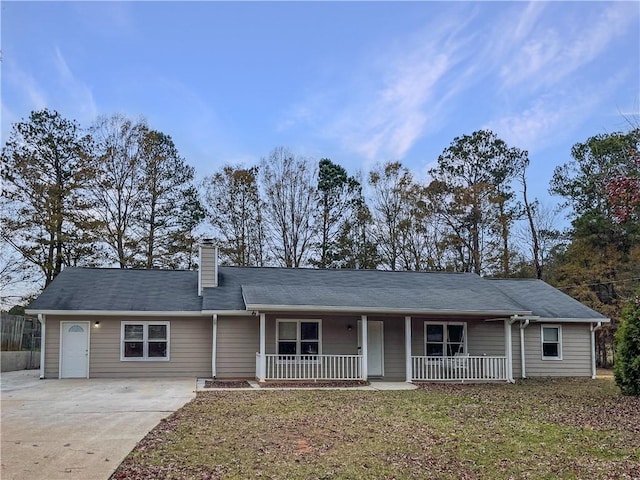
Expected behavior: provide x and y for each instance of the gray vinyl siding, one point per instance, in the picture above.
(208, 267)
(485, 338)
(337, 339)
(576, 352)
(52, 348)
(189, 349)
(394, 355)
(238, 342)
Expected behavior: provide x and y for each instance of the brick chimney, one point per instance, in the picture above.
(208, 271)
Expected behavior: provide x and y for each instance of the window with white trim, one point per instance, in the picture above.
(298, 337)
(551, 337)
(144, 341)
(445, 338)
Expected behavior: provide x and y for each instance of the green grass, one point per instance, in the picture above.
(535, 429)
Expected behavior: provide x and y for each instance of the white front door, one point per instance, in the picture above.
(74, 349)
(375, 347)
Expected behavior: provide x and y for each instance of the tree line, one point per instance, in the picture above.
(118, 193)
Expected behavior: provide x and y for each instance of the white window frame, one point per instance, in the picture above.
(298, 322)
(559, 342)
(445, 340)
(145, 341)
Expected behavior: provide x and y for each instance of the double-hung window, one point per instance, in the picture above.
(298, 337)
(144, 341)
(445, 338)
(551, 336)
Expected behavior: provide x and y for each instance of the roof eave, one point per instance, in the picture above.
(380, 310)
(103, 313)
(231, 313)
(571, 320)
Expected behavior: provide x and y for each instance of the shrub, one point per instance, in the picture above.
(627, 367)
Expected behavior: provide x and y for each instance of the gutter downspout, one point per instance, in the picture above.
(593, 329)
(262, 365)
(365, 347)
(508, 322)
(214, 344)
(43, 323)
(523, 371)
(407, 350)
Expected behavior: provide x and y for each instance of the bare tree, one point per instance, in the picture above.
(533, 230)
(117, 185)
(287, 182)
(539, 236)
(391, 184)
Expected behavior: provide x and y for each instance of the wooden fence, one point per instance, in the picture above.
(19, 333)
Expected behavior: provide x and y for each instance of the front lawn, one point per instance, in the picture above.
(535, 429)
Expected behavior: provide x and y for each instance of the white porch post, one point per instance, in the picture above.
(407, 349)
(214, 344)
(508, 348)
(365, 348)
(593, 329)
(523, 363)
(43, 337)
(263, 341)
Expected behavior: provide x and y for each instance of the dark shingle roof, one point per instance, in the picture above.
(543, 300)
(121, 290)
(241, 288)
(372, 290)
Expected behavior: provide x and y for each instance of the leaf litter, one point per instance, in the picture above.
(568, 428)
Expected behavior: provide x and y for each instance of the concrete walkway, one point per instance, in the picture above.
(373, 386)
(79, 429)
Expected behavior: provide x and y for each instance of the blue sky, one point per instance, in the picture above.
(355, 82)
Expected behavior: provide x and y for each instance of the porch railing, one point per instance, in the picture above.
(459, 368)
(311, 367)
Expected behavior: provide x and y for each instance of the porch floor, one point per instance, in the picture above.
(373, 386)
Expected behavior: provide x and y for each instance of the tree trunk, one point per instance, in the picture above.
(532, 228)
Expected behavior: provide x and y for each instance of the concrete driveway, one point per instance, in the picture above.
(79, 429)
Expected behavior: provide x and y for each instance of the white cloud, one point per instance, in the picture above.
(392, 97)
(396, 116)
(77, 98)
(549, 118)
(27, 92)
(26, 85)
(402, 99)
(553, 51)
(112, 19)
(527, 21)
(58, 90)
(415, 88)
(531, 128)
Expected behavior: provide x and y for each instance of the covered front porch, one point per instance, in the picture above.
(384, 347)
